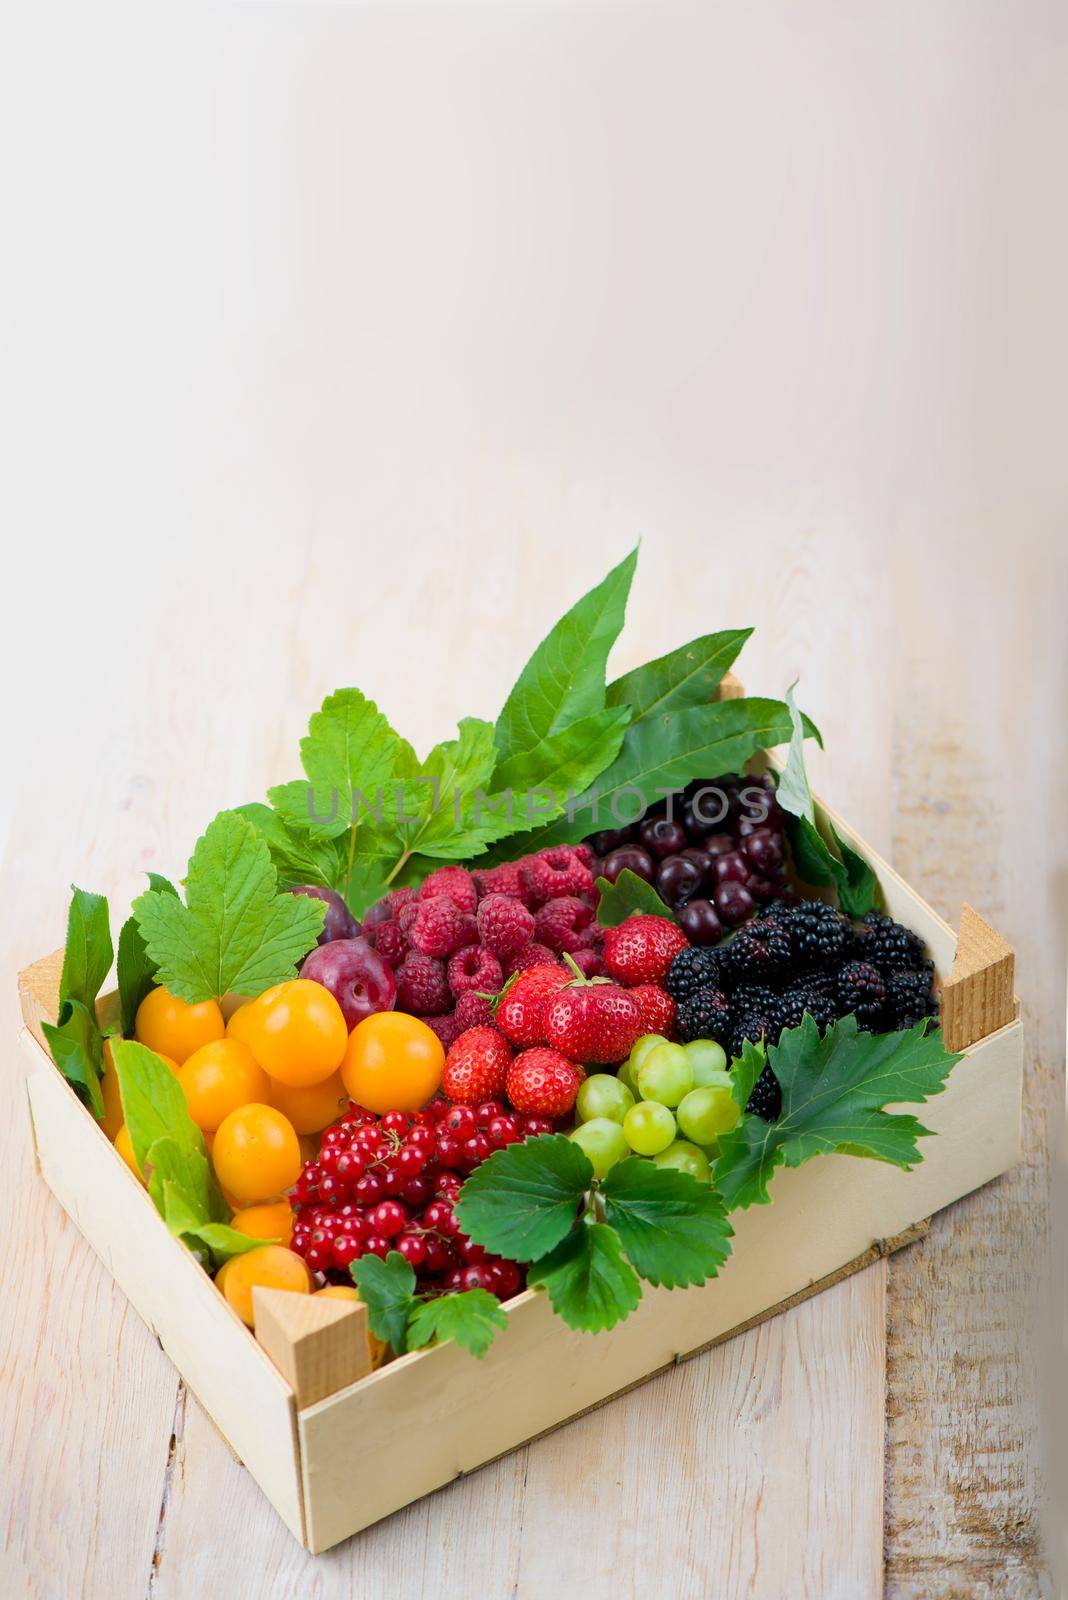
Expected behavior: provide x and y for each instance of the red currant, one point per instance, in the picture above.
(436, 1253)
(388, 1218)
(412, 1248)
(503, 1131)
(332, 1190)
(376, 1245)
(476, 1149)
(450, 1150)
(417, 1192)
(461, 1121)
(471, 1252)
(485, 1113)
(505, 1278)
(346, 1249)
(368, 1190)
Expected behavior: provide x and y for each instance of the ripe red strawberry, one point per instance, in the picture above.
(593, 1020)
(642, 949)
(543, 1083)
(521, 1008)
(475, 1067)
(657, 1009)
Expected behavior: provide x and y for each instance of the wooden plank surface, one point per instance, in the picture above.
(289, 432)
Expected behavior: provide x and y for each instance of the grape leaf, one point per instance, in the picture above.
(673, 1229)
(817, 863)
(77, 1048)
(473, 1317)
(564, 680)
(629, 894)
(521, 1201)
(236, 932)
(387, 1289)
(688, 676)
(589, 1283)
(834, 1090)
(349, 751)
(87, 954)
(135, 970)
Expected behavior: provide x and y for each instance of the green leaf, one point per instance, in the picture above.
(88, 953)
(348, 753)
(816, 862)
(387, 1289)
(186, 1173)
(236, 931)
(521, 1201)
(629, 894)
(135, 971)
(745, 1070)
(589, 1283)
(298, 857)
(224, 1241)
(834, 1090)
(153, 1103)
(564, 763)
(688, 676)
(564, 680)
(442, 813)
(673, 1229)
(473, 1318)
(77, 1049)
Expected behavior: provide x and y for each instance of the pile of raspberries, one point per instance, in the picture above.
(457, 938)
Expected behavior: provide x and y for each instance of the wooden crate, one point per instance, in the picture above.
(328, 1440)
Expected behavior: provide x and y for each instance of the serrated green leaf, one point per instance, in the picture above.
(88, 954)
(442, 813)
(135, 970)
(564, 680)
(673, 1229)
(77, 1049)
(473, 1317)
(521, 1201)
(589, 1283)
(688, 676)
(298, 856)
(387, 1289)
(628, 895)
(349, 751)
(236, 932)
(834, 1090)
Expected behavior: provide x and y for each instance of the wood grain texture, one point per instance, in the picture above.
(978, 997)
(318, 1345)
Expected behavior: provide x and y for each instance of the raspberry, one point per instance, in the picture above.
(473, 1010)
(507, 879)
(642, 949)
(439, 928)
(390, 942)
(405, 915)
(504, 925)
(554, 872)
(531, 955)
(455, 883)
(397, 899)
(543, 1083)
(475, 1067)
(589, 962)
(657, 1009)
(447, 1028)
(422, 987)
(474, 968)
(563, 924)
(584, 853)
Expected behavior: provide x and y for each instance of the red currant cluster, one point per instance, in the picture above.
(389, 1183)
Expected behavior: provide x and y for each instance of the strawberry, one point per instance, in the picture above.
(592, 1020)
(543, 1083)
(642, 949)
(657, 1009)
(475, 1067)
(521, 1008)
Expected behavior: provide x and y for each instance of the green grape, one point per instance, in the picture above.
(603, 1142)
(707, 1058)
(708, 1111)
(648, 1128)
(641, 1048)
(602, 1095)
(665, 1075)
(625, 1076)
(685, 1157)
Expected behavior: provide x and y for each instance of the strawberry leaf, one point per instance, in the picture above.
(629, 894)
(387, 1289)
(564, 680)
(472, 1317)
(521, 1201)
(589, 1283)
(236, 932)
(134, 968)
(673, 1229)
(834, 1091)
(688, 676)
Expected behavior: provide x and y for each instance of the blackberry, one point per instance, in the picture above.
(692, 969)
(820, 934)
(763, 949)
(704, 1015)
(910, 996)
(814, 995)
(861, 990)
(888, 945)
(758, 997)
(753, 1026)
(766, 1098)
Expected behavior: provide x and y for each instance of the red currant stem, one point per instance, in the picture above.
(403, 862)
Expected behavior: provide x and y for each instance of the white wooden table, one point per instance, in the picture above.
(385, 335)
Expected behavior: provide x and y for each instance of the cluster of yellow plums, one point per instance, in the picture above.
(283, 1067)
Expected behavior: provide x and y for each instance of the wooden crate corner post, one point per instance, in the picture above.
(318, 1345)
(979, 995)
